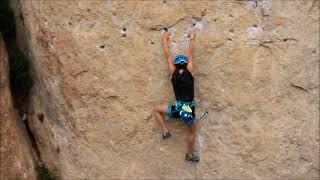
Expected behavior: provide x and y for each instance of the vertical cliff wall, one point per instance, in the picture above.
(99, 70)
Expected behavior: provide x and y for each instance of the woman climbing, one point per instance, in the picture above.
(181, 69)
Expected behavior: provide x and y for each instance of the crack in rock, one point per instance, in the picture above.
(299, 87)
(163, 26)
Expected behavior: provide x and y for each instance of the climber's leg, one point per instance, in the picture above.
(160, 111)
(191, 137)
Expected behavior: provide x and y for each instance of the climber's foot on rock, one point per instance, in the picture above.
(192, 157)
(166, 135)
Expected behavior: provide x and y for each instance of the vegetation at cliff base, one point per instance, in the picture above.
(44, 173)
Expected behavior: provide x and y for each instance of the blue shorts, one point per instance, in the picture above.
(174, 110)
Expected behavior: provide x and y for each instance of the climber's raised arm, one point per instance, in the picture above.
(165, 43)
(192, 35)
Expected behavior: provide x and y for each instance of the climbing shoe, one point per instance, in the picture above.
(166, 135)
(192, 157)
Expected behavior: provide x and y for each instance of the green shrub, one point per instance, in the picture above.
(44, 173)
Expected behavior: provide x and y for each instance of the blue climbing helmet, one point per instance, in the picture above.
(180, 58)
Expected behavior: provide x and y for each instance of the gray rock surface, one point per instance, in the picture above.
(100, 70)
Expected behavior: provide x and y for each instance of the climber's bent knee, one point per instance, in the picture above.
(161, 109)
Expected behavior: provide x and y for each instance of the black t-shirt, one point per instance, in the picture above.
(183, 85)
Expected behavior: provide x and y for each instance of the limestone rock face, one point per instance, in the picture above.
(99, 70)
(16, 160)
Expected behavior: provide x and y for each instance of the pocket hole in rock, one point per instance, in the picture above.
(40, 117)
(58, 150)
(21, 16)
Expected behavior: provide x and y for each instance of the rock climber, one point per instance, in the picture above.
(181, 69)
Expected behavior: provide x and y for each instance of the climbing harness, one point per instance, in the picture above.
(185, 111)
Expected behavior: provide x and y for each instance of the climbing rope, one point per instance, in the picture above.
(195, 170)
